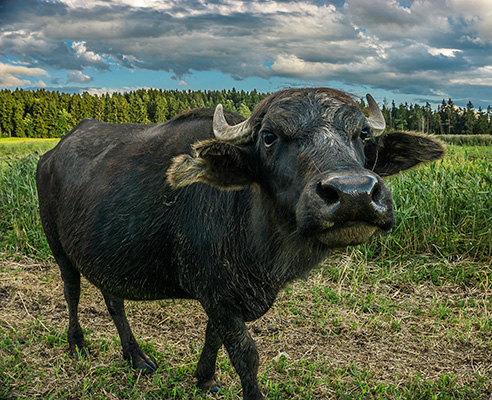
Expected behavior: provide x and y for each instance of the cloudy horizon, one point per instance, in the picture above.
(413, 50)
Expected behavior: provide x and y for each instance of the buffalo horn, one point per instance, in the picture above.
(240, 133)
(376, 118)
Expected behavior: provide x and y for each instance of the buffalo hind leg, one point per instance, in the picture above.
(71, 290)
(131, 350)
(205, 369)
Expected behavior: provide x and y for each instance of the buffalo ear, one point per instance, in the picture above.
(394, 152)
(221, 165)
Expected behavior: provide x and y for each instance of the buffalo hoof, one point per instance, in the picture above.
(215, 389)
(211, 385)
(139, 360)
(147, 366)
(78, 351)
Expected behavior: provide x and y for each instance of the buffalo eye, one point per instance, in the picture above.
(366, 135)
(269, 139)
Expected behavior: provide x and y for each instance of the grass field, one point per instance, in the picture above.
(14, 147)
(482, 140)
(408, 316)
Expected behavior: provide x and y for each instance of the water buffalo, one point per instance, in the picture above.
(213, 207)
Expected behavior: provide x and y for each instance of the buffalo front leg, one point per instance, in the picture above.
(131, 349)
(241, 349)
(205, 369)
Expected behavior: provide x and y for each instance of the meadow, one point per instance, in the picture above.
(407, 316)
(12, 147)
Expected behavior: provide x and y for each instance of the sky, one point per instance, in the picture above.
(413, 51)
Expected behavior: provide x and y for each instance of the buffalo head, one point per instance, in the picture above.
(314, 161)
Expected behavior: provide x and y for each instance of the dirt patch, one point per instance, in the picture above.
(394, 333)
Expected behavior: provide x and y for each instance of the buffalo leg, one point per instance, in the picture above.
(71, 290)
(242, 351)
(131, 350)
(205, 369)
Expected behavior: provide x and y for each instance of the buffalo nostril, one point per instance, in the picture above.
(327, 193)
(376, 194)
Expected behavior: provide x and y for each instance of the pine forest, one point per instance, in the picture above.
(51, 114)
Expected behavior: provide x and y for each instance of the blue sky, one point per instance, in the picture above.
(412, 50)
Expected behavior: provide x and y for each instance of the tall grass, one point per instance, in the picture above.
(20, 225)
(11, 147)
(443, 209)
(467, 140)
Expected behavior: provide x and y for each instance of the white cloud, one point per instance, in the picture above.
(477, 14)
(10, 74)
(88, 57)
(78, 77)
(419, 45)
(443, 52)
(101, 91)
(481, 77)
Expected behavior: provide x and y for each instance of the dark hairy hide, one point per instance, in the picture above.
(149, 212)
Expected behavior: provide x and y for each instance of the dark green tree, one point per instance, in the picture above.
(6, 113)
(482, 125)
(138, 110)
(63, 123)
(468, 120)
(160, 110)
(244, 110)
(18, 119)
(40, 127)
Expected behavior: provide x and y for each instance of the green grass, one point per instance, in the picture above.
(442, 209)
(407, 316)
(467, 140)
(20, 225)
(322, 339)
(15, 147)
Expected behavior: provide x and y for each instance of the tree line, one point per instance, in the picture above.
(447, 119)
(45, 114)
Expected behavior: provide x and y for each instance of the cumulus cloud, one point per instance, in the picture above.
(419, 46)
(87, 57)
(12, 75)
(78, 77)
(477, 15)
